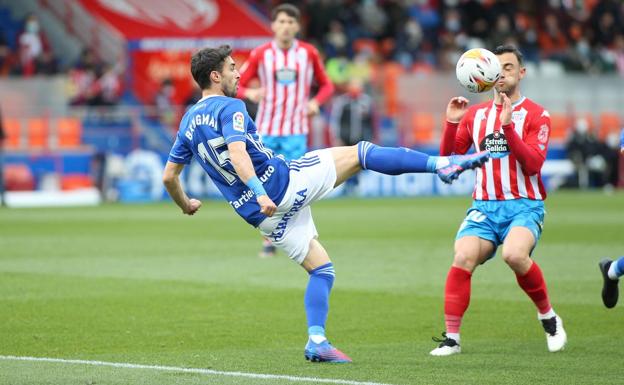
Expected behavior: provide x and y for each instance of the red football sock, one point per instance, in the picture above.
(534, 285)
(456, 297)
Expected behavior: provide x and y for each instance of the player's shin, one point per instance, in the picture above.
(393, 160)
(316, 300)
(534, 285)
(456, 300)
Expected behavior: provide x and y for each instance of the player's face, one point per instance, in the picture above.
(229, 78)
(285, 27)
(511, 73)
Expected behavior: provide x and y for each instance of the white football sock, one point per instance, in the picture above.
(549, 314)
(317, 338)
(612, 273)
(453, 336)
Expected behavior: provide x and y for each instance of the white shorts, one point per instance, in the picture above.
(292, 228)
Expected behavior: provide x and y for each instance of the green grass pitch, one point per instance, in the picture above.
(147, 285)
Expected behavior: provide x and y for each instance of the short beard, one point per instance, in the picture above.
(229, 92)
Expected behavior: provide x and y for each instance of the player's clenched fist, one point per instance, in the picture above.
(193, 206)
(267, 207)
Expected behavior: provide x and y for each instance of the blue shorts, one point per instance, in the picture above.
(291, 146)
(492, 220)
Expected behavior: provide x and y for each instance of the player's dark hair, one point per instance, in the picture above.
(509, 48)
(286, 8)
(207, 60)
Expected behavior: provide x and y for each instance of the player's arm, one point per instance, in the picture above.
(244, 169)
(171, 180)
(456, 138)
(234, 120)
(248, 72)
(530, 152)
(326, 87)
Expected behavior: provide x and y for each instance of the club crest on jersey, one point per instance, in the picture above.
(238, 121)
(495, 143)
(542, 136)
(286, 76)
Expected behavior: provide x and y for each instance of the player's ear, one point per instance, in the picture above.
(522, 71)
(215, 77)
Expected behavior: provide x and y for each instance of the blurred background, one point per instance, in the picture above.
(91, 91)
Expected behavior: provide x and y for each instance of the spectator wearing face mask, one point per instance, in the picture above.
(32, 46)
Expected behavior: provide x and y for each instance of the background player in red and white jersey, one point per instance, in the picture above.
(286, 68)
(508, 205)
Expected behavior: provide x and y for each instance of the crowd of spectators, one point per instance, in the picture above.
(431, 34)
(91, 81)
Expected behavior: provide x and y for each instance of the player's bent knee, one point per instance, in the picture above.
(515, 257)
(464, 260)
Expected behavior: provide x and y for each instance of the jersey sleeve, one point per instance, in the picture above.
(456, 138)
(326, 87)
(180, 152)
(530, 151)
(248, 72)
(234, 120)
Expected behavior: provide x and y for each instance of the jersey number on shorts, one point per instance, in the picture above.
(222, 157)
(474, 216)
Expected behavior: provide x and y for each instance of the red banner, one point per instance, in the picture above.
(139, 19)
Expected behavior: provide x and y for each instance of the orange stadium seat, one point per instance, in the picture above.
(13, 132)
(37, 133)
(69, 132)
(423, 127)
(560, 124)
(608, 122)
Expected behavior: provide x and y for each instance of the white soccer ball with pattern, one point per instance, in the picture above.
(478, 70)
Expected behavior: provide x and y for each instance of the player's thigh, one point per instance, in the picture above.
(520, 241)
(317, 256)
(346, 161)
(471, 251)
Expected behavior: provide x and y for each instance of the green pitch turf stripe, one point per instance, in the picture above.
(191, 370)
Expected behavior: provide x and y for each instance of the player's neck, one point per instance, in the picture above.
(284, 44)
(516, 96)
(212, 92)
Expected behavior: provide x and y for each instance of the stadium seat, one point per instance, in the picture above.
(423, 127)
(560, 124)
(608, 122)
(18, 177)
(37, 133)
(68, 132)
(13, 132)
(75, 181)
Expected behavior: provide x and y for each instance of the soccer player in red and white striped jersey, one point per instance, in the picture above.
(509, 195)
(286, 68)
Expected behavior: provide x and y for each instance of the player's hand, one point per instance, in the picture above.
(193, 206)
(267, 207)
(456, 109)
(255, 94)
(313, 107)
(505, 114)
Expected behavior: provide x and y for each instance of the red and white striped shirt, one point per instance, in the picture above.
(286, 76)
(525, 139)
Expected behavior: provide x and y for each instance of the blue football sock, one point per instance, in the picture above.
(316, 298)
(394, 160)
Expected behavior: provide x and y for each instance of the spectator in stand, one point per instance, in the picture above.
(164, 102)
(5, 54)
(82, 77)
(106, 89)
(32, 44)
(552, 40)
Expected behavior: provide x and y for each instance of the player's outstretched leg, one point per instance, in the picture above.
(316, 301)
(400, 160)
(610, 276)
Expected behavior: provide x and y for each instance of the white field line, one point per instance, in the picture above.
(191, 370)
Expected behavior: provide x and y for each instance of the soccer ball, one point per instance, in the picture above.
(478, 70)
